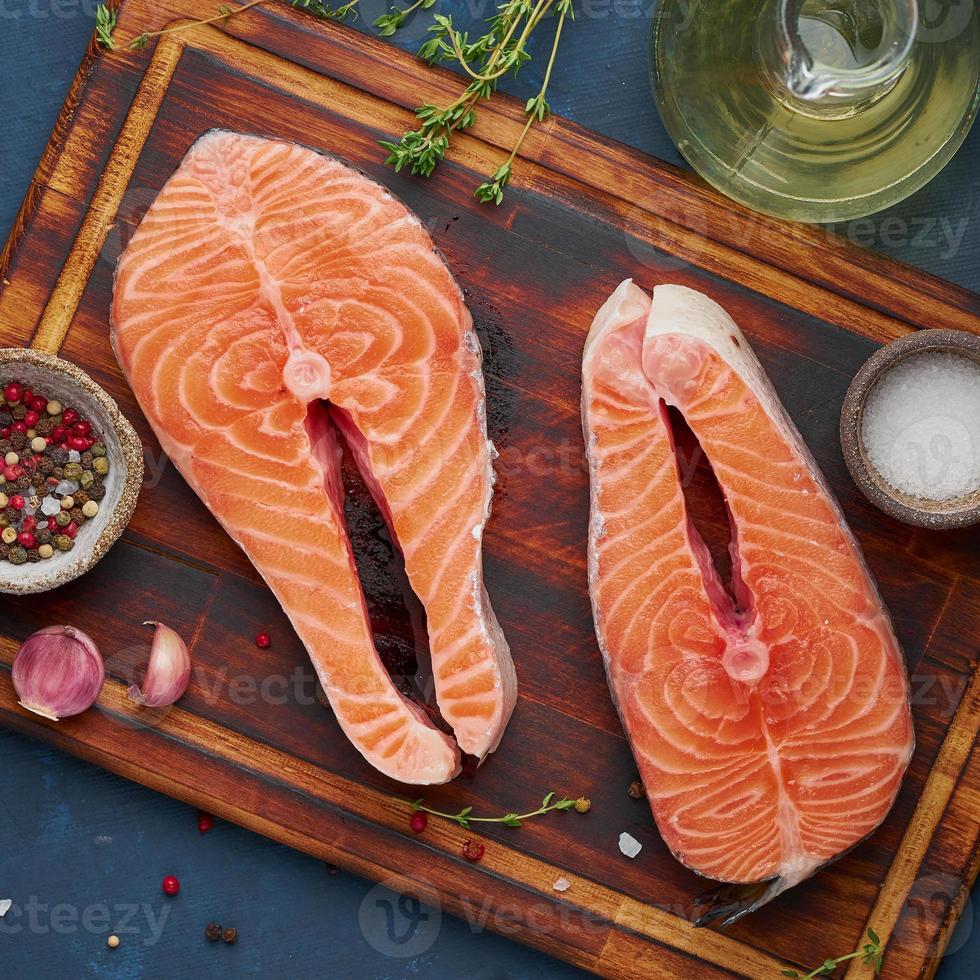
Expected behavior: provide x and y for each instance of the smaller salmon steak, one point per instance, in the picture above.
(271, 299)
(770, 720)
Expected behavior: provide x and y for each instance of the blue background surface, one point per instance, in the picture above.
(82, 853)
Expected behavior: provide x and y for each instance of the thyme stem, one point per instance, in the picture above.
(464, 817)
(871, 953)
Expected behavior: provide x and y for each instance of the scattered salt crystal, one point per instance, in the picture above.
(629, 845)
(921, 426)
(74, 456)
(5, 904)
(50, 506)
(562, 885)
(66, 487)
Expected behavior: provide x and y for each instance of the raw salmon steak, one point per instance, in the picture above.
(271, 298)
(769, 716)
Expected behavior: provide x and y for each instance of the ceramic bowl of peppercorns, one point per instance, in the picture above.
(71, 468)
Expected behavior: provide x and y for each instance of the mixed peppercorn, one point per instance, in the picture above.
(53, 468)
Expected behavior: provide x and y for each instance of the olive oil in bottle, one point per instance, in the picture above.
(817, 110)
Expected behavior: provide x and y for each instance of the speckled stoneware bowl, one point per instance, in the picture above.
(72, 386)
(920, 512)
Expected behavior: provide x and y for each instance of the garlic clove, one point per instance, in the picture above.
(58, 672)
(168, 672)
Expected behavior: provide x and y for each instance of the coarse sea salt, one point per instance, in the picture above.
(921, 426)
(629, 845)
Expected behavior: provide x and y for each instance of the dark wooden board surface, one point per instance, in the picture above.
(251, 742)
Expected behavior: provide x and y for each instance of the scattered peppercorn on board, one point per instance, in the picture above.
(251, 742)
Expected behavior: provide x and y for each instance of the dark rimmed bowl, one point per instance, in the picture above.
(918, 511)
(72, 386)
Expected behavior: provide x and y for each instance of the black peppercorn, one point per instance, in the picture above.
(42, 535)
(87, 460)
(59, 457)
(18, 412)
(96, 492)
(212, 932)
(33, 555)
(23, 482)
(45, 426)
(5, 417)
(18, 441)
(230, 935)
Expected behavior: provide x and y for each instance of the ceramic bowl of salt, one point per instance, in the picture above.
(62, 380)
(910, 429)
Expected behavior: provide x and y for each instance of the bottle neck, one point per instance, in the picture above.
(834, 54)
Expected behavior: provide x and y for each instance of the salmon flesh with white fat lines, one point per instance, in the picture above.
(771, 722)
(270, 297)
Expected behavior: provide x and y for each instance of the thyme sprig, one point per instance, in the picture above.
(105, 20)
(871, 952)
(501, 51)
(105, 24)
(464, 818)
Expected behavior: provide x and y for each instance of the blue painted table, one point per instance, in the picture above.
(82, 852)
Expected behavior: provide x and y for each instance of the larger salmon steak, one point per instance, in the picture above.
(769, 716)
(271, 299)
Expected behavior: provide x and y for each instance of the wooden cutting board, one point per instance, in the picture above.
(251, 743)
